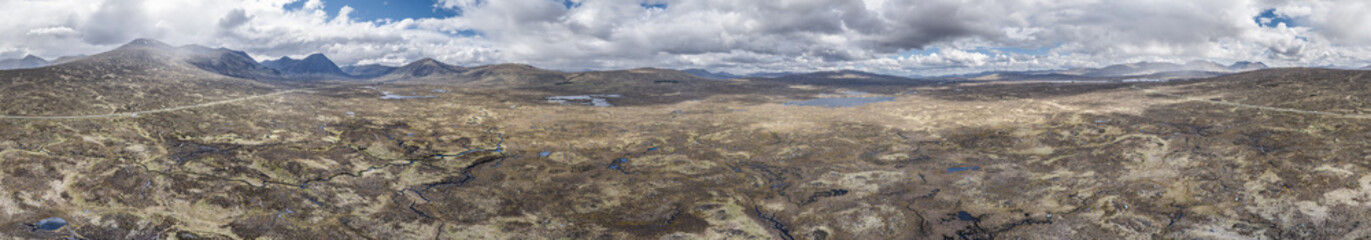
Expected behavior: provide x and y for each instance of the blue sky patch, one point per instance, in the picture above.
(653, 5)
(1270, 19)
(464, 33)
(370, 10)
(917, 52)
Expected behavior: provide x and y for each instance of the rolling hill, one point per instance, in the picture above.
(1144, 70)
(426, 67)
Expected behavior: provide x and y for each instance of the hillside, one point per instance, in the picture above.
(142, 75)
(1139, 70)
(368, 71)
(315, 66)
(425, 68)
(228, 62)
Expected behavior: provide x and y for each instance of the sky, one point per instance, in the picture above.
(898, 37)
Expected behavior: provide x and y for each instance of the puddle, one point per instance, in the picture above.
(840, 102)
(544, 154)
(959, 169)
(1145, 80)
(598, 100)
(845, 93)
(618, 165)
(966, 216)
(388, 95)
(440, 90)
(50, 224)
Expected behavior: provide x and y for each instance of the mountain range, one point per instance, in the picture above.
(314, 66)
(141, 75)
(228, 62)
(237, 64)
(29, 61)
(1148, 70)
(726, 75)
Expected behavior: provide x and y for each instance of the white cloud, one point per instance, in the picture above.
(314, 4)
(53, 31)
(738, 36)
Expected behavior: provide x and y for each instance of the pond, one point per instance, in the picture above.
(598, 100)
(959, 169)
(388, 95)
(50, 224)
(845, 93)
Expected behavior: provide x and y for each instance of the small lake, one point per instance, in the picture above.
(845, 93)
(388, 95)
(50, 224)
(598, 100)
(840, 102)
(960, 169)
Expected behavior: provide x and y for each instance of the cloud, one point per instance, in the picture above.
(314, 4)
(52, 31)
(905, 37)
(234, 18)
(116, 21)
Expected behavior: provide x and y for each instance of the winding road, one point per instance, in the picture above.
(135, 114)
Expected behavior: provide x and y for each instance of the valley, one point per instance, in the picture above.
(435, 151)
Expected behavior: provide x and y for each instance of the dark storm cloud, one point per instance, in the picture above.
(925, 22)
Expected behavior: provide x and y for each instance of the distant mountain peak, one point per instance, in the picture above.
(1204, 64)
(314, 65)
(425, 67)
(147, 43)
(368, 71)
(317, 56)
(29, 61)
(1247, 66)
(426, 61)
(229, 62)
